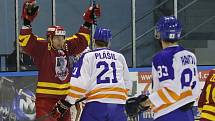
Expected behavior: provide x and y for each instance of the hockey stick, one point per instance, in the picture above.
(53, 112)
(93, 2)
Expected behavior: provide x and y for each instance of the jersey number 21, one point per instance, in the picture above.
(106, 67)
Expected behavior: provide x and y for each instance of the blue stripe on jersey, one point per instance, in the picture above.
(163, 61)
(77, 67)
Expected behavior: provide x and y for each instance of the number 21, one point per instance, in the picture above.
(106, 68)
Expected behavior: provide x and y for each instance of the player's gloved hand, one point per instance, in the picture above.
(91, 13)
(134, 105)
(29, 11)
(143, 103)
(60, 108)
(131, 107)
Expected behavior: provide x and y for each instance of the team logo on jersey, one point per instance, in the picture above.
(61, 68)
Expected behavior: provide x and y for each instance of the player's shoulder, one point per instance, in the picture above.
(167, 53)
(190, 52)
(185, 53)
(105, 50)
(117, 54)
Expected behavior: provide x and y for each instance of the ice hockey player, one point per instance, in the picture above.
(206, 102)
(175, 77)
(51, 57)
(101, 76)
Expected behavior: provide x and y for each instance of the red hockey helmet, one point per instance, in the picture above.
(31, 2)
(55, 30)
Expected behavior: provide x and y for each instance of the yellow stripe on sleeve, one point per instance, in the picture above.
(115, 89)
(87, 36)
(77, 89)
(23, 40)
(208, 116)
(185, 94)
(163, 96)
(182, 96)
(72, 37)
(113, 96)
(39, 38)
(172, 94)
(208, 108)
(74, 95)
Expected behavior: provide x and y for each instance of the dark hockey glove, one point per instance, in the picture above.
(133, 105)
(141, 99)
(91, 13)
(29, 11)
(60, 108)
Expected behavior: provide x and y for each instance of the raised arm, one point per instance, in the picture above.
(29, 42)
(78, 42)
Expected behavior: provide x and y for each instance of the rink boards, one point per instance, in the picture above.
(17, 92)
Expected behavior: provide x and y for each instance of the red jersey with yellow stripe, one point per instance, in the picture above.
(175, 80)
(101, 75)
(207, 99)
(54, 74)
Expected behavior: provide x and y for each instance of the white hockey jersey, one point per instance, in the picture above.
(101, 75)
(175, 79)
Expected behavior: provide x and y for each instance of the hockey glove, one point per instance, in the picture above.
(91, 13)
(29, 11)
(142, 105)
(133, 105)
(60, 108)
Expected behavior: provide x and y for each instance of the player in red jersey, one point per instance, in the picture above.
(206, 102)
(51, 57)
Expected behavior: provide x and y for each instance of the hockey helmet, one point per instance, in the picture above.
(168, 28)
(30, 1)
(55, 30)
(102, 34)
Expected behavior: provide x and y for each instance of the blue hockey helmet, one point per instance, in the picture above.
(102, 34)
(168, 28)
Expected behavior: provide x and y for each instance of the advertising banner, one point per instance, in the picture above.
(17, 93)
(17, 98)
